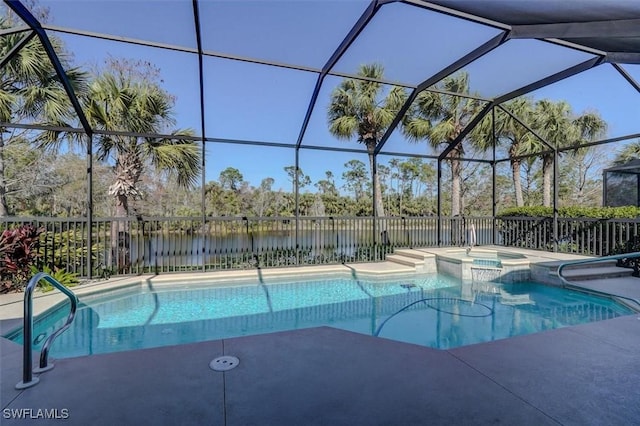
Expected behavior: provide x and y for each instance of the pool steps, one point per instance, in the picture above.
(596, 273)
(422, 261)
(547, 272)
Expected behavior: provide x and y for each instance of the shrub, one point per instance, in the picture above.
(63, 249)
(626, 212)
(18, 253)
(67, 279)
(68, 250)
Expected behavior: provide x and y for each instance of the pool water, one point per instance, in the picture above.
(435, 310)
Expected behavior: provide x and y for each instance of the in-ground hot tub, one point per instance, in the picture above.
(484, 265)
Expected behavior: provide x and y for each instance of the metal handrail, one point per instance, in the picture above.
(566, 283)
(27, 350)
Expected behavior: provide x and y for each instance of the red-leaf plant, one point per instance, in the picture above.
(18, 252)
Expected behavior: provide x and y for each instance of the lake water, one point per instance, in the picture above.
(166, 249)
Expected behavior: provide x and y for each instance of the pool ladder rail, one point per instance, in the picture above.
(28, 379)
(567, 284)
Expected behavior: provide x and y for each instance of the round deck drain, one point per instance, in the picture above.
(224, 363)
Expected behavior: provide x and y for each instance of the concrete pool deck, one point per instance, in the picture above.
(587, 374)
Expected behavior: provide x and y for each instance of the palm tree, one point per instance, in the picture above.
(552, 120)
(359, 109)
(117, 102)
(507, 130)
(440, 118)
(30, 91)
(125, 99)
(628, 153)
(556, 123)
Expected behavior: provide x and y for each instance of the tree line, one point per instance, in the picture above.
(160, 176)
(57, 187)
(361, 110)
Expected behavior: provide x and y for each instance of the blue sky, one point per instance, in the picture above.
(255, 102)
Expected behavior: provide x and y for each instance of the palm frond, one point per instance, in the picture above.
(51, 140)
(178, 158)
(359, 109)
(416, 128)
(444, 131)
(105, 146)
(344, 127)
(591, 126)
(7, 100)
(628, 153)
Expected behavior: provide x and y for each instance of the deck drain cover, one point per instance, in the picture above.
(224, 363)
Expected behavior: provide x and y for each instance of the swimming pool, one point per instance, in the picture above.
(432, 310)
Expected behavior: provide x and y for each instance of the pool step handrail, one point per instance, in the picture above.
(28, 379)
(567, 284)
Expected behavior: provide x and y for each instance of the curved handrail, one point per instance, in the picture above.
(27, 350)
(566, 283)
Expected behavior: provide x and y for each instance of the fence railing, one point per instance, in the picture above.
(595, 237)
(136, 245)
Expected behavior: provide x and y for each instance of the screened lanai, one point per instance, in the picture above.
(264, 90)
